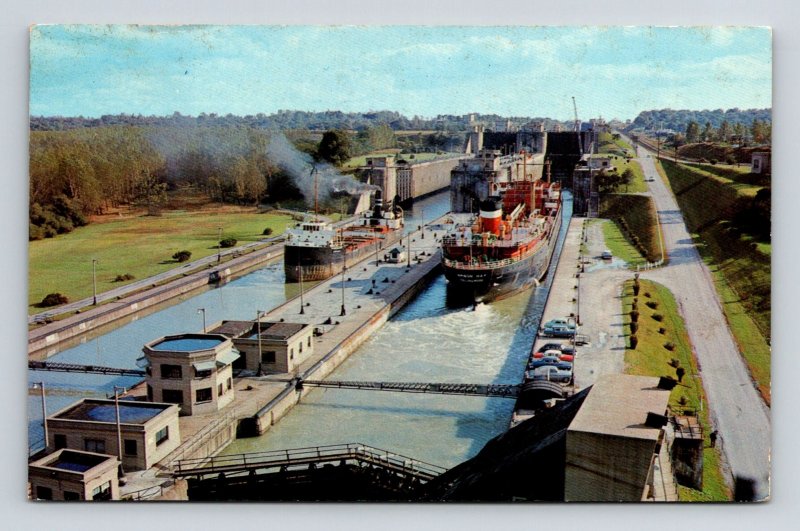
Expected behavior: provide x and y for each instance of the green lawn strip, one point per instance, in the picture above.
(652, 358)
(141, 246)
(619, 246)
(637, 219)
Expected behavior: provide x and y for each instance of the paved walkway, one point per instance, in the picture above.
(737, 410)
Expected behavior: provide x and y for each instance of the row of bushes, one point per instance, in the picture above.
(60, 217)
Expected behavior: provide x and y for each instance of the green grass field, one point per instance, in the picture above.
(639, 213)
(141, 246)
(652, 358)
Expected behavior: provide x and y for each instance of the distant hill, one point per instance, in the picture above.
(678, 120)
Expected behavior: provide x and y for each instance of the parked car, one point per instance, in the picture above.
(552, 361)
(549, 346)
(559, 322)
(606, 255)
(557, 353)
(558, 331)
(549, 372)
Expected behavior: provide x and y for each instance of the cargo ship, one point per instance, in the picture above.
(316, 250)
(507, 247)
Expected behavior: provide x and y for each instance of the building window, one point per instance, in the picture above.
(203, 395)
(309, 341)
(230, 384)
(268, 356)
(219, 390)
(300, 346)
(202, 374)
(44, 493)
(162, 435)
(71, 496)
(95, 445)
(149, 393)
(60, 441)
(131, 447)
(103, 492)
(171, 372)
(291, 353)
(172, 396)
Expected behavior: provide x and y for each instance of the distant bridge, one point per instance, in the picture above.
(89, 369)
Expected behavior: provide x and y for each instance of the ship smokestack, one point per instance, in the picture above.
(377, 212)
(491, 213)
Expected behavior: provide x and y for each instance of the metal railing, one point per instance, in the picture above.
(147, 493)
(489, 264)
(305, 456)
(200, 438)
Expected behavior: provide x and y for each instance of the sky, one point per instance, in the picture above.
(613, 72)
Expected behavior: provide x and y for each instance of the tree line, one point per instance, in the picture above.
(79, 172)
(678, 120)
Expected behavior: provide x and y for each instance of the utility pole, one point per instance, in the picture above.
(94, 281)
(344, 312)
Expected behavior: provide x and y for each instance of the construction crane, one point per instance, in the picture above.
(577, 125)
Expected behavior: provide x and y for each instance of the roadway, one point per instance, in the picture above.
(737, 410)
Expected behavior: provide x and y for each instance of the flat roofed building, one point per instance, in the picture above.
(284, 346)
(67, 475)
(611, 446)
(149, 430)
(192, 370)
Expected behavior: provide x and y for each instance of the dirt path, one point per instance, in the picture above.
(737, 410)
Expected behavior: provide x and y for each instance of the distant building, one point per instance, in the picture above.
(149, 430)
(67, 475)
(284, 346)
(761, 163)
(193, 370)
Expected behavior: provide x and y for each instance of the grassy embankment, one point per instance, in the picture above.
(652, 357)
(634, 217)
(140, 246)
(636, 222)
(740, 266)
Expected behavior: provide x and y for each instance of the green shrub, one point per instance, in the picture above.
(652, 305)
(634, 342)
(227, 242)
(669, 345)
(182, 256)
(634, 327)
(662, 330)
(267, 232)
(658, 317)
(680, 372)
(123, 278)
(54, 299)
(634, 316)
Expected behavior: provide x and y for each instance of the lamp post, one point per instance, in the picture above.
(203, 311)
(574, 351)
(259, 314)
(40, 385)
(344, 312)
(302, 306)
(94, 281)
(219, 244)
(119, 428)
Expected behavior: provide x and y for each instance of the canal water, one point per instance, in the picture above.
(427, 341)
(242, 298)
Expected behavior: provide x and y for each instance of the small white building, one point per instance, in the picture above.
(67, 475)
(284, 346)
(760, 163)
(192, 370)
(149, 431)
